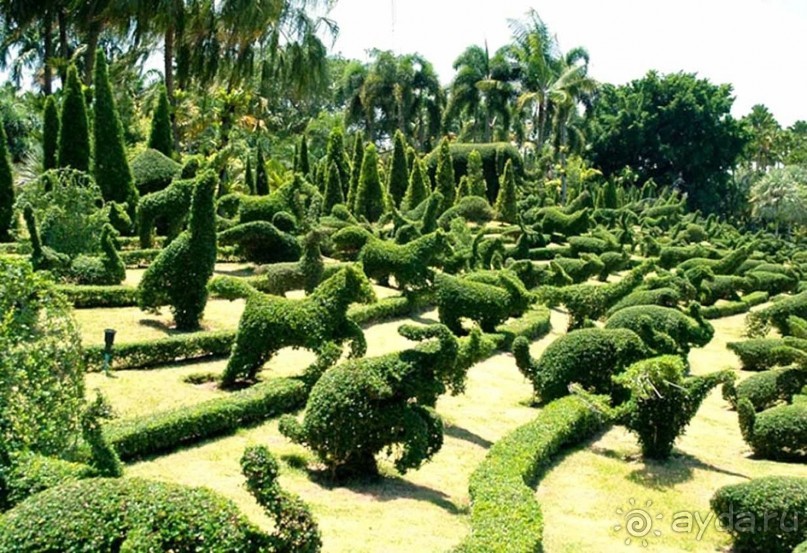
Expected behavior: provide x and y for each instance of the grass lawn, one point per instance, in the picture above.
(581, 494)
(426, 509)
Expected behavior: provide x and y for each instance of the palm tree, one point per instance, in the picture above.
(481, 92)
(548, 81)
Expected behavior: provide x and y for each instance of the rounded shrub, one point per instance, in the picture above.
(776, 433)
(261, 242)
(588, 357)
(152, 171)
(109, 515)
(764, 515)
(664, 329)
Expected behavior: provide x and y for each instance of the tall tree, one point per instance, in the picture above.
(480, 95)
(766, 143)
(370, 194)
(673, 128)
(74, 137)
(399, 172)
(110, 165)
(355, 172)
(419, 186)
(444, 177)
(160, 137)
(335, 153)
(50, 135)
(548, 81)
(303, 165)
(6, 191)
(261, 177)
(333, 189)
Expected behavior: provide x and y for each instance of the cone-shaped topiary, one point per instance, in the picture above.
(333, 189)
(178, 277)
(6, 191)
(355, 173)
(336, 154)
(114, 269)
(419, 186)
(506, 208)
(610, 199)
(261, 178)
(301, 162)
(399, 172)
(463, 189)
(110, 166)
(160, 137)
(444, 178)
(370, 194)
(477, 186)
(74, 133)
(249, 177)
(50, 135)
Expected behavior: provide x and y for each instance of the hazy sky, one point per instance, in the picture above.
(759, 46)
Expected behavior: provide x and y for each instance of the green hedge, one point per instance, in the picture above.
(15, 248)
(728, 309)
(85, 297)
(533, 324)
(139, 258)
(754, 513)
(494, 156)
(779, 433)
(106, 515)
(759, 354)
(776, 315)
(768, 388)
(31, 473)
(171, 430)
(505, 516)
(153, 171)
(138, 355)
(667, 297)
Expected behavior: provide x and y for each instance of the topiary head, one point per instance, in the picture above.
(357, 286)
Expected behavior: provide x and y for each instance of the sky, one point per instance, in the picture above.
(758, 46)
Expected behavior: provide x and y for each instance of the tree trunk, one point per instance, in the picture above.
(64, 45)
(47, 38)
(92, 44)
(168, 59)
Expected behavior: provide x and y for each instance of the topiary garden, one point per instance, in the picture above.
(532, 337)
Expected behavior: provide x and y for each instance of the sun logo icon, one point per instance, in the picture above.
(638, 522)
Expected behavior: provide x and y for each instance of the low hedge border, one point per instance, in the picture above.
(139, 258)
(88, 297)
(533, 324)
(145, 355)
(735, 307)
(170, 430)
(505, 516)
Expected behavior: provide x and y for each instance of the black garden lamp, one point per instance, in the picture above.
(109, 342)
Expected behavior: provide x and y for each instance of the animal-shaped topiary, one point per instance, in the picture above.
(587, 266)
(107, 515)
(478, 299)
(261, 242)
(589, 357)
(408, 263)
(362, 407)
(178, 276)
(661, 401)
(776, 433)
(167, 208)
(317, 322)
(665, 329)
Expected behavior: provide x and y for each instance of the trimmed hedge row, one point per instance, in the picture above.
(505, 516)
(759, 354)
(139, 258)
(769, 388)
(87, 297)
(139, 355)
(735, 307)
(171, 430)
(765, 514)
(533, 324)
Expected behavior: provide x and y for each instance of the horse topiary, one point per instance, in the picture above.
(318, 322)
